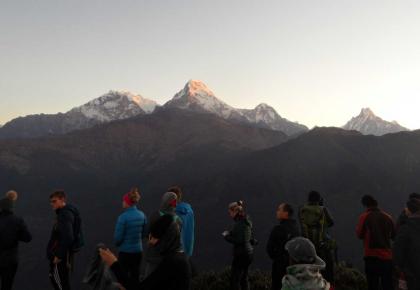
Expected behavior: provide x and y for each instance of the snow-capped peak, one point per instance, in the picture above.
(116, 105)
(369, 124)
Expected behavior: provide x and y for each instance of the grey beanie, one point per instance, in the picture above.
(302, 251)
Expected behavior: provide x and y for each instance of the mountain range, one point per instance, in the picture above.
(195, 96)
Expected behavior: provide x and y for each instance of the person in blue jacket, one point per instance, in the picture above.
(185, 212)
(130, 230)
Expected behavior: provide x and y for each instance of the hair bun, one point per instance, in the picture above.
(240, 203)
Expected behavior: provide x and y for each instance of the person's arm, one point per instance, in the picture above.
(24, 235)
(400, 247)
(119, 231)
(271, 245)
(145, 231)
(235, 236)
(360, 229)
(65, 222)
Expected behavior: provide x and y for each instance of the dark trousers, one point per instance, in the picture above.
(327, 255)
(60, 275)
(379, 273)
(278, 271)
(239, 272)
(7, 276)
(130, 263)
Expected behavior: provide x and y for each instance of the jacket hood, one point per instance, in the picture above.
(304, 276)
(183, 208)
(245, 219)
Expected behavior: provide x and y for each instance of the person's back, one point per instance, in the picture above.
(130, 230)
(12, 231)
(185, 212)
(406, 248)
(376, 229)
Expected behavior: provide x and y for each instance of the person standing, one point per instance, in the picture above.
(185, 212)
(376, 228)
(12, 231)
(280, 235)
(66, 239)
(406, 248)
(241, 238)
(315, 220)
(130, 230)
(402, 219)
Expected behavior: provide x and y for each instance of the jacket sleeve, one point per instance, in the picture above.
(145, 231)
(24, 235)
(237, 235)
(400, 246)
(65, 221)
(119, 231)
(271, 248)
(329, 221)
(360, 229)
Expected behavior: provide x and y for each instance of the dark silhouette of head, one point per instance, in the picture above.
(314, 197)
(177, 190)
(414, 195)
(413, 205)
(369, 201)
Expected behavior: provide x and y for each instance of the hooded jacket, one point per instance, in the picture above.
(62, 234)
(185, 212)
(12, 231)
(130, 230)
(407, 248)
(304, 277)
(240, 236)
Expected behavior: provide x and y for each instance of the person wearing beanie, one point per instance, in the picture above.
(153, 255)
(173, 271)
(130, 230)
(304, 272)
(12, 231)
(406, 248)
(241, 237)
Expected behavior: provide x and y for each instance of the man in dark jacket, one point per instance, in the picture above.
(60, 246)
(286, 230)
(407, 246)
(376, 228)
(12, 231)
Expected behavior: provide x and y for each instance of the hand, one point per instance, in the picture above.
(225, 233)
(56, 260)
(152, 240)
(107, 257)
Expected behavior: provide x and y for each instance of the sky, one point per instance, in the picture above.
(316, 62)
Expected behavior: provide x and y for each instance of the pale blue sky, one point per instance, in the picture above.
(316, 62)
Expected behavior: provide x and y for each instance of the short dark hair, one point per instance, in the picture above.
(314, 196)
(289, 209)
(177, 190)
(59, 194)
(413, 205)
(369, 201)
(414, 195)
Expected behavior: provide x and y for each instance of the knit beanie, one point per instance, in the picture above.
(169, 201)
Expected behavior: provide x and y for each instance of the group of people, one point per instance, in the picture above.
(302, 250)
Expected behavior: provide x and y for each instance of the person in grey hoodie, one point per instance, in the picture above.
(153, 255)
(406, 248)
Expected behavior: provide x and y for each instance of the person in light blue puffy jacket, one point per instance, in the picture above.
(185, 212)
(130, 230)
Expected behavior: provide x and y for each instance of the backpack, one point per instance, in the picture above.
(312, 219)
(79, 240)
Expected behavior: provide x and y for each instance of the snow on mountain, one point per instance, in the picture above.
(197, 96)
(115, 105)
(369, 124)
